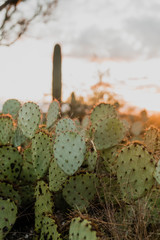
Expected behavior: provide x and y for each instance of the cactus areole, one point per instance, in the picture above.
(56, 80)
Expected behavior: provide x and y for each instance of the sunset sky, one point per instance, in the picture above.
(121, 37)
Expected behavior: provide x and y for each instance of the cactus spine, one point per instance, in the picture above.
(56, 80)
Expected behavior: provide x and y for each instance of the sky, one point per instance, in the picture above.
(121, 37)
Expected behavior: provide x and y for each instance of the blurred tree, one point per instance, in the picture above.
(16, 16)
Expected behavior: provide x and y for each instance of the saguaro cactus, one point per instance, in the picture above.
(56, 80)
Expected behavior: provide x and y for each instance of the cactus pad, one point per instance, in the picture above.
(29, 118)
(11, 106)
(8, 215)
(80, 190)
(102, 111)
(109, 158)
(65, 124)
(91, 157)
(108, 133)
(135, 168)
(49, 229)
(53, 113)
(69, 151)
(57, 177)
(27, 174)
(6, 129)
(7, 191)
(10, 163)
(43, 205)
(18, 138)
(81, 229)
(41, 153)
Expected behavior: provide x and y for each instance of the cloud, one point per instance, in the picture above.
(146, 32)
(119, 30)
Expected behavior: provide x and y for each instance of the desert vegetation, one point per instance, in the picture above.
(92, 177)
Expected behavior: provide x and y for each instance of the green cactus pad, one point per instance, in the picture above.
(57, 177)
(102, 111)
(53, 113)
(8, 210)
(108, 133)
(28, 174)
(43, 205)
(109, 158)
(91, 157)
(81, 229)
(65, 124)
(42, 151)
(29, 118)
(7, 191)
(10, 164)
(49, 229)
(135, 168)
(18, 138)
(11, 106)
(6, 129)
(80, 190)
(69, 151)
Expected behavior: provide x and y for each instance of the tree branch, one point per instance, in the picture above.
(15, 22)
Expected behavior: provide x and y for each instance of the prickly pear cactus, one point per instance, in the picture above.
(102, 111)
(29, 118)
(6, 129)
(28, 174)
(18, 138)
(80, 190)
(91, 160)
(7, 191)
(69, 151)
(108, 133)
(65, 124)
(10, 164)
(57, 177)
(8, 210)
(53, 113)
(110, 158)
(42, 150)
(49, 229)
(81, 229)
(44, 204)
(11, 106)
(135, 168)
(90, 157)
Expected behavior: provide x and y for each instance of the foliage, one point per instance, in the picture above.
(83, 179)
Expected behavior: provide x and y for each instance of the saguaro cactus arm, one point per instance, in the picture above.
(56, 80)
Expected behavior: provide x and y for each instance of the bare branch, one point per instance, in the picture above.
(9, 2)
(15, 21)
